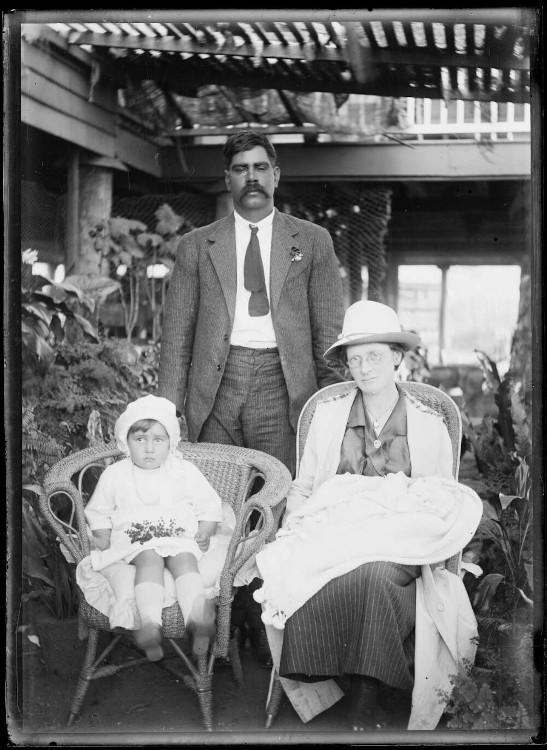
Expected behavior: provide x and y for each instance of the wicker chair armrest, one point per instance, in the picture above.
(277, 478)
(242, 547)
(58, 481)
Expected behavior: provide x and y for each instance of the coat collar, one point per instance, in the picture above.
(222, 251)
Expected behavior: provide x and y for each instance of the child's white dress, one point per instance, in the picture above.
(148, 503)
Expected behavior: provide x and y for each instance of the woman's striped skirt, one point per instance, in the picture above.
(360, 623)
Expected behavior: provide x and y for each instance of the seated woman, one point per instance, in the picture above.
(368, 538)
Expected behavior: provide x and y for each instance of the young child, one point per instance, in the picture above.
(156, 511)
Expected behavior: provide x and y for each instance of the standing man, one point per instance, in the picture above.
(254, 300)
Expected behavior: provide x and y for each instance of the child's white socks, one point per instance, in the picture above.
(197, 611)
(149, 600)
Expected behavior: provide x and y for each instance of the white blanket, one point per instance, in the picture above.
(351, 520)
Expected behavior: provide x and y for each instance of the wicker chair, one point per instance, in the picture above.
(429, 395)
(232, 471)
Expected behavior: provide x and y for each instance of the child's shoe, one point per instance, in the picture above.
(148, 638)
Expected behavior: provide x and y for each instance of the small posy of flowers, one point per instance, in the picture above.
(295, 254)
(145, 531)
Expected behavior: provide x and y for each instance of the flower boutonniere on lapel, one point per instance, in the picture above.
(296, 255)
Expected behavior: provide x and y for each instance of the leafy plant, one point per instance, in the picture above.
(127, 244)
(502, 544)
(502, 547)
(83, 378)
(47, 575)
(39, 450)
(48, 310)
(506, 553)
(476, 701)
(502, 446)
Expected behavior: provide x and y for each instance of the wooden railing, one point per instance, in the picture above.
(434, 118)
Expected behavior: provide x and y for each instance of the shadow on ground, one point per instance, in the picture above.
(148, 704)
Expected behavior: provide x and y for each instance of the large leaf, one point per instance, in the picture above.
(505, 417)
(36, 325)
(493, 530)
(86, 326)
(55, 292)
(37, 345)
(39, 311)
(489, 511)
(521, 431)
(97, 287)
(490, 370)
(120, 226)
(168, 222)
(125, 258)
(506, 500)
(131, 246)
(146, 238)
(486, 591)
(529, 568)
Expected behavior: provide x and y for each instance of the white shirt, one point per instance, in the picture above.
(254, 332)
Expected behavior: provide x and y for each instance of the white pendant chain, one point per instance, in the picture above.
(153, 493)
(376, 420)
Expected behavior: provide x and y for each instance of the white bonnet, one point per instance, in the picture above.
(148, 407)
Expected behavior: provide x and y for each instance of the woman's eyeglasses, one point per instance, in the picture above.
(373, 358)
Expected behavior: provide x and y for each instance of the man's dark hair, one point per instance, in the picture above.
(245, 141)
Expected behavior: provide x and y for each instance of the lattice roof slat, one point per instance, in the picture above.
(313, 34)
(333, 36)
(274, 29)
(450, 54)
(296, 33)
(369, 33)
(258, 30)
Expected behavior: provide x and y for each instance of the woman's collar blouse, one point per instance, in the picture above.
(363, 452)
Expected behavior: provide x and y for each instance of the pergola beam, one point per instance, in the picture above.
(399, 57)
(425, 161)
(182, 76)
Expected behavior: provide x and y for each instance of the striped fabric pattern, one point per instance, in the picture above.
(252, 406)
(361, 623)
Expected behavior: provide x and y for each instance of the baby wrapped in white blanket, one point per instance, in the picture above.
(353, 519)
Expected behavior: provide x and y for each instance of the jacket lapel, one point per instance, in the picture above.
(222, 251)
(284, 237)
(335, 420)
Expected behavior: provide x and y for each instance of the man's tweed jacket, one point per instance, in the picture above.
(306, 305)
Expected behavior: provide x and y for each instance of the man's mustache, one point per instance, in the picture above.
(253, 189)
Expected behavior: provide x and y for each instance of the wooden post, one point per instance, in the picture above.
(72, 240)
(95, 205)
(96, 176)
(442, 314)
(392, 284)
